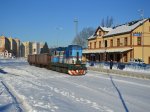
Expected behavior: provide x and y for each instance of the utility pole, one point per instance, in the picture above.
(76, 26)
(142, 16)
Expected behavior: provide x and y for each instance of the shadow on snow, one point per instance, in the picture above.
(6, 107)
(2, 71)
(120, 95)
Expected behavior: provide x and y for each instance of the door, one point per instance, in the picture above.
(118, 57)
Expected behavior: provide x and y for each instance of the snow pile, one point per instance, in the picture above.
(133, 68)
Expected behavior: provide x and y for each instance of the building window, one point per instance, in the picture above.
(125, 41)
(111, 43)
(90, 45)
(138, 40)
(100, 33)
(94, 44)
(33, 50)
(99, 44)
(149, 28)
(118, 42)
(105, 43)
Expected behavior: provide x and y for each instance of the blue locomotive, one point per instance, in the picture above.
(61, 59)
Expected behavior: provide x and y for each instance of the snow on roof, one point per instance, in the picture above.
(105, 28)
(125, 27)
(92, 37)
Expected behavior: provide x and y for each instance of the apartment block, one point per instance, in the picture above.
(13, 46)
(4, 44)
(18, 54)
(30, 48)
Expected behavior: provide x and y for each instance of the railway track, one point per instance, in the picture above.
(14, 102)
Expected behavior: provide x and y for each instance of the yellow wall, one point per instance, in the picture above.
(146, 54)
(137, 52)
(121, 37)
(146, 28)
(97, 39)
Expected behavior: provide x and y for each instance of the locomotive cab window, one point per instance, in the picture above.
(70, 52)
(77, 56)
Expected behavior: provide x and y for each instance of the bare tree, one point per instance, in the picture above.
(108, 22)
(81, 38)
(103, 23)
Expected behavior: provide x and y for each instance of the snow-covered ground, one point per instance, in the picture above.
(36, 89)
(133, 67)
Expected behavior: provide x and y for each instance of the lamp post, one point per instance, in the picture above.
(142, 23)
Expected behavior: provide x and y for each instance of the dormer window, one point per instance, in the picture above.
(90, 45)
(100, 33)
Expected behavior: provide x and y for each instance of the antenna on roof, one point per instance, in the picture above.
(76, 25)
(141, 11)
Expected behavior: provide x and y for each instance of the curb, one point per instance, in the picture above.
(122, 73)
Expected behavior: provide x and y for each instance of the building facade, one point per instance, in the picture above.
(26, 49)
(121, 43)
(9, 46)
(18, 53)
(13, 46)
(4, 44)
(36, 47)
(5, 50)
(30, 48)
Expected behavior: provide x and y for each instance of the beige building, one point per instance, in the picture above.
(18, 54)
(121, 43)
(30, 48)
(13, 46)
(4, 44)
(26, 49)
(9, 46)
(36, 47)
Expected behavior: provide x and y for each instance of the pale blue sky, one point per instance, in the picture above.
(53, 20)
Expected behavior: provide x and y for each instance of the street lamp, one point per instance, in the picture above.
(142, 16)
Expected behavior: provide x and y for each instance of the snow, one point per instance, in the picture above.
(124, 28)
(41, 90)
(132, 68)
(105, 28)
